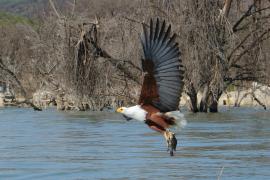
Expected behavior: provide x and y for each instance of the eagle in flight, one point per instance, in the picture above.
(158, 105)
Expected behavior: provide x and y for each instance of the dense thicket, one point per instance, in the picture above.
(88, 52)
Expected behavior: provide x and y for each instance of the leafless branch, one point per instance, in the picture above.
(54, 9)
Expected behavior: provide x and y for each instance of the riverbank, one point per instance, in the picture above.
(256, 97)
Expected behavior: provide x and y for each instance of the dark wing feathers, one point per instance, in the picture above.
(145, 42)
(167, 74)
(162, 86)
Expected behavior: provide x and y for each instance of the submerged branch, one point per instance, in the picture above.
(29, 103)
(258, 101)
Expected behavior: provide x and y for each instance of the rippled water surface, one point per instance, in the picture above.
(231, 145)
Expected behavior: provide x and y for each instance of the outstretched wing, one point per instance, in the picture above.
(163, 79)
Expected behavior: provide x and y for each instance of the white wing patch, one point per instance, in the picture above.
(136, 112)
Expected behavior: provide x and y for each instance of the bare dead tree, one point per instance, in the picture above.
(222, 49)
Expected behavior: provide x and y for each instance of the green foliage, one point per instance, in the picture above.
(10, 19)
(11, 2)
(231, 87)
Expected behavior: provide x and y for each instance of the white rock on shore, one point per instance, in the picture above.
(2, 100)
(262, 93)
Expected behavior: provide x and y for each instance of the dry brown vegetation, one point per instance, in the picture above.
(87, 53)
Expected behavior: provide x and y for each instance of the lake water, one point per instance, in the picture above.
(231, 145)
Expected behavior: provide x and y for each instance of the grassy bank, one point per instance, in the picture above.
(11, 19)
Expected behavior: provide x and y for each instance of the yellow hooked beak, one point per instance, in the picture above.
(119, 110)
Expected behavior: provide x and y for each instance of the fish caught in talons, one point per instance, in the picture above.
(171, 141)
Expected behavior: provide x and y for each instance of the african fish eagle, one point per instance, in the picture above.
(158, 105)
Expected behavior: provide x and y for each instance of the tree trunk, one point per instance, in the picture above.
(204, 100)
(193, 100)
(213, 105)
(236, 103)
(193, 103)
(213, 101)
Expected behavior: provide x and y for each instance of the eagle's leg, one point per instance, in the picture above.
(171, 141)
(169, 136)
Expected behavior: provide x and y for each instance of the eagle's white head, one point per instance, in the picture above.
(133, 112)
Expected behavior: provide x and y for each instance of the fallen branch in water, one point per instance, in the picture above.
(258, 101)
(29, 103)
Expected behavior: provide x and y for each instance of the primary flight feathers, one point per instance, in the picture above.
(163, 82)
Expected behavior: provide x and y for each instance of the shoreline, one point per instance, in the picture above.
(244, 98)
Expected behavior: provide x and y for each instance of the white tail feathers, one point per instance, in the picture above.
(179, 117)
